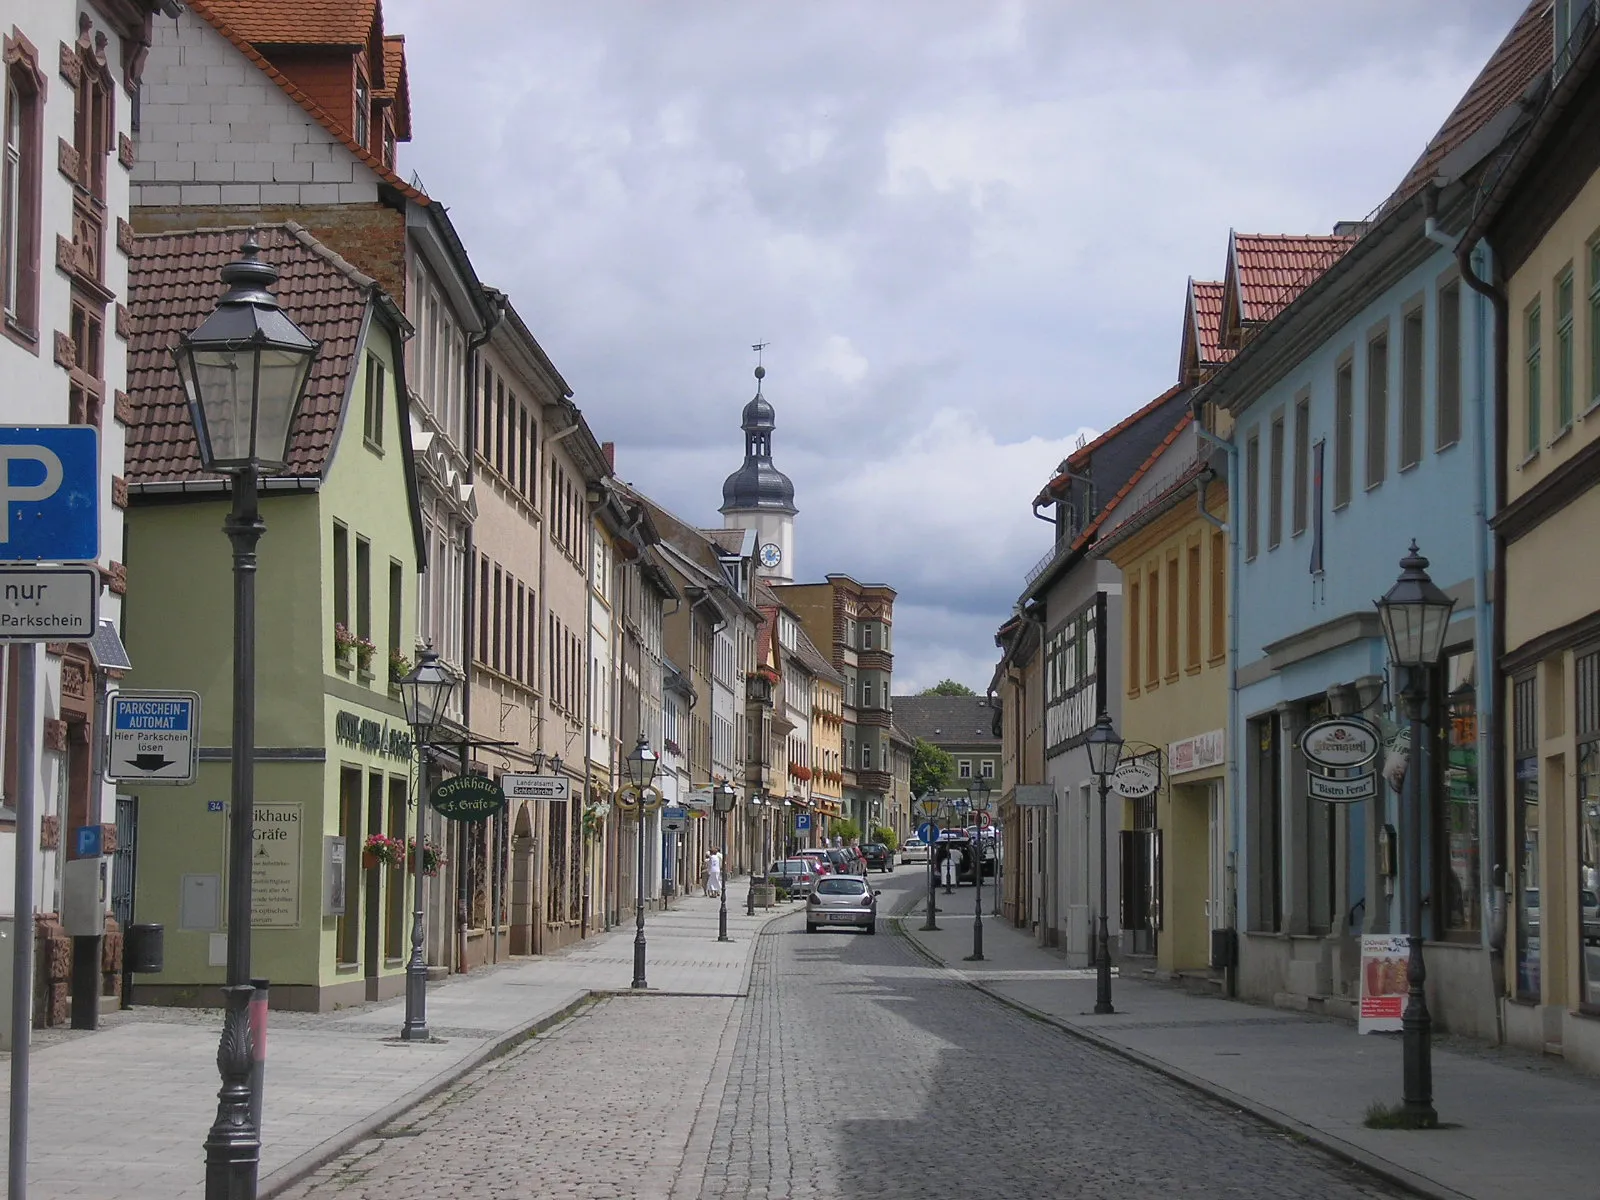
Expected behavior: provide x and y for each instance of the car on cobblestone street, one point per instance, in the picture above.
(913, 849)
(878, 856)
(796, 875)
(842, 900)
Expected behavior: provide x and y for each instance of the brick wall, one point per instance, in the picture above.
(215, 131)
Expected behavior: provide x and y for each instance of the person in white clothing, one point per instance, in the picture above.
(714, 873)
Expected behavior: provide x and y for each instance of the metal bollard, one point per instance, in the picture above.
(258, 1051)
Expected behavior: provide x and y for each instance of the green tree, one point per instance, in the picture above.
(882, 833)
(846, 831)
(931, 768)
(948, 687)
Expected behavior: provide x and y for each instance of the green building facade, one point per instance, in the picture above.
(341, 552)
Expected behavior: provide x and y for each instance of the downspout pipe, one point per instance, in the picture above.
(1235, 798)
(1483, 614)
(1474, 258)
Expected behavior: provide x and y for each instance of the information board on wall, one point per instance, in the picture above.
(275, 866)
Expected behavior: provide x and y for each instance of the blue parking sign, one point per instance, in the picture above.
(802, 821)
(49, 493)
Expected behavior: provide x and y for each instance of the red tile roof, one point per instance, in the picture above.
(1266, 271)
(1527, 52)
(1205, 307)
(396, 84)
(212, 12)
(298, 22)
(173, 283)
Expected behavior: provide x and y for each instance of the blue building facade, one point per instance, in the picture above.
(1354, 412)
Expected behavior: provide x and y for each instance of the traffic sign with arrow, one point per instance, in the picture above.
(154, 737)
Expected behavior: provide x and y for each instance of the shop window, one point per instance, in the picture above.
(1587, 675)
(347, 933)
(1455, 789)
(1265, 824)
(1525, 759)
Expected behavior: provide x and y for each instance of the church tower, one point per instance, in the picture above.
(758, 496)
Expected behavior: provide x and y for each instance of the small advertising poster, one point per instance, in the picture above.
(1383, 982)
(275, 866)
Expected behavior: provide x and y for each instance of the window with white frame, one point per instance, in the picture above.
(964, 768)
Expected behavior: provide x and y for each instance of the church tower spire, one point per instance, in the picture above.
(758, 496)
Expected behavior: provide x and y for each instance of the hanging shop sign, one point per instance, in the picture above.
(1196, 753)
(1340, 744)
(468, 798)
(1136, 778)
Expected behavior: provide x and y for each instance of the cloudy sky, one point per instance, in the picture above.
(964, 226)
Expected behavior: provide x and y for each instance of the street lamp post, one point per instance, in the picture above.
(928, 808)
(1105, 749)
(722, 798)
(1416, 615)
(425, 692)
(978, 789)
(642, 764)
(243, 373)
(755, 835)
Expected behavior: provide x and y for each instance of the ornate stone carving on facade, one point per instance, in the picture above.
(67, 159)
(125, 151)
(119, 491)
(49, 832)
(124, 236)
(115, 577)
(122, 407)
(66, 352)
(121, 322)
(71, 67)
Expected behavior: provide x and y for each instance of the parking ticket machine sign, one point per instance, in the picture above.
(49, 493)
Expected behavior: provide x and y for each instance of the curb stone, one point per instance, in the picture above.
(1348, 1152)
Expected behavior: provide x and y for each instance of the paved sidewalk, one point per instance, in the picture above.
(123, 1111)
(1520, 1126)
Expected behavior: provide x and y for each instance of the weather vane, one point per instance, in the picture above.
(758, 348)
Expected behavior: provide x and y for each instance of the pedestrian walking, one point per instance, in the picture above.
(714, 873)
(948, 866)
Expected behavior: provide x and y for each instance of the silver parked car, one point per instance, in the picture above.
(842, 900)
(795, 875)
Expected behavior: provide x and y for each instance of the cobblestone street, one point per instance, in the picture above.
(851, 1070)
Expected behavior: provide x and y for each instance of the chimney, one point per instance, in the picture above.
(1350, 228)
(609, 449)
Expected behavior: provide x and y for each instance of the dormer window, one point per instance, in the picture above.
(363, 108)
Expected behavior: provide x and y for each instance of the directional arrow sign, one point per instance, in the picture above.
(155, 737)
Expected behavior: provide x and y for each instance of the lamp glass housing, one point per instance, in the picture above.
(642, 764)
(244, 373)
(426, 693)
(1416, 615)
(1104, 745)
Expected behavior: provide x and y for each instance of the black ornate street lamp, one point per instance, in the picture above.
(753, 838)
(1104, 745)
(244, 372)
(1416, 616)
(722, 800)
(426, 693)
(928, 810)
(978, 790)
(642, 764)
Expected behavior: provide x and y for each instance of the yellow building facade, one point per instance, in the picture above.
(1176, 875)
(1549, 721)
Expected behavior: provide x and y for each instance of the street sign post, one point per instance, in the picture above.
(536, 787)
(49, 604)
(154, 737)
(673, 820)
(90, 839)
(49, 493)
(802, 822)
(928, 832)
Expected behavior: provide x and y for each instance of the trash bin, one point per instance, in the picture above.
(144, 949)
